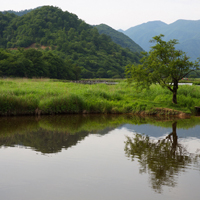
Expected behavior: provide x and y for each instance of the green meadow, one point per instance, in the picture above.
(46, 96)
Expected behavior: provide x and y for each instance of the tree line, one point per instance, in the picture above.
(34, 63)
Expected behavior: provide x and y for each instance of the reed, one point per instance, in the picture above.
(29, 96)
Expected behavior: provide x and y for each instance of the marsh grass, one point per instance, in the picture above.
(196, 83)
(29, 96)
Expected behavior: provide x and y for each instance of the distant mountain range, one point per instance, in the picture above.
(187, 32)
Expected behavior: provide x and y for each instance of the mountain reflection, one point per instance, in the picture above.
(43, 140)
(50, 134)
(163, 159)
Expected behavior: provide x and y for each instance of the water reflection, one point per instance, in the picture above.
(97, 161)
(43, 140)
(50, 134)
(163, 160)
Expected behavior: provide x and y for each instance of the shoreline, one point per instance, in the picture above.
(155, 112)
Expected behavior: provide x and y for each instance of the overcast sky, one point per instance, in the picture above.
(119, 14)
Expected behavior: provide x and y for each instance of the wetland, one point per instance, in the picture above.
(47, 96)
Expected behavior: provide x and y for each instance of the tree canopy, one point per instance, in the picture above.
(163, 65)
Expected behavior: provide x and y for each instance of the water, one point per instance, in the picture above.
(184, 83)
(89, 157)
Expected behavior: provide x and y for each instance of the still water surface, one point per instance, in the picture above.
(99, 157)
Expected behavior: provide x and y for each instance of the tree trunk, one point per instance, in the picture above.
(174, 100)
(175, 88)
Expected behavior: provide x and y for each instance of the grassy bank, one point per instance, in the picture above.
(43, 96)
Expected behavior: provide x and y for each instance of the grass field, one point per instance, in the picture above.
(44, 96)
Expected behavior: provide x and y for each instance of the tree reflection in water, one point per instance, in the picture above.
(163, 159)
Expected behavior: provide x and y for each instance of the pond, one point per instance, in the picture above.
(99, 157)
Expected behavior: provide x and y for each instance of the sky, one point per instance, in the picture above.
(118, 14)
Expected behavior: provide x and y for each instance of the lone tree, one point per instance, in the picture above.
(163, 65)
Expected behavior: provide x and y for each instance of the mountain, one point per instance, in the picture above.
(143, 33)
(187, 32)
(66, 37)
(119, 38)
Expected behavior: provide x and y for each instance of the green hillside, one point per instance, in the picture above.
(66, 38)
(119, 38)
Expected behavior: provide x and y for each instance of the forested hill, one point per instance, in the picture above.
(66, 39)
(119, 38)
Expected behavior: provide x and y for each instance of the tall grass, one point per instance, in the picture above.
(27, 96)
